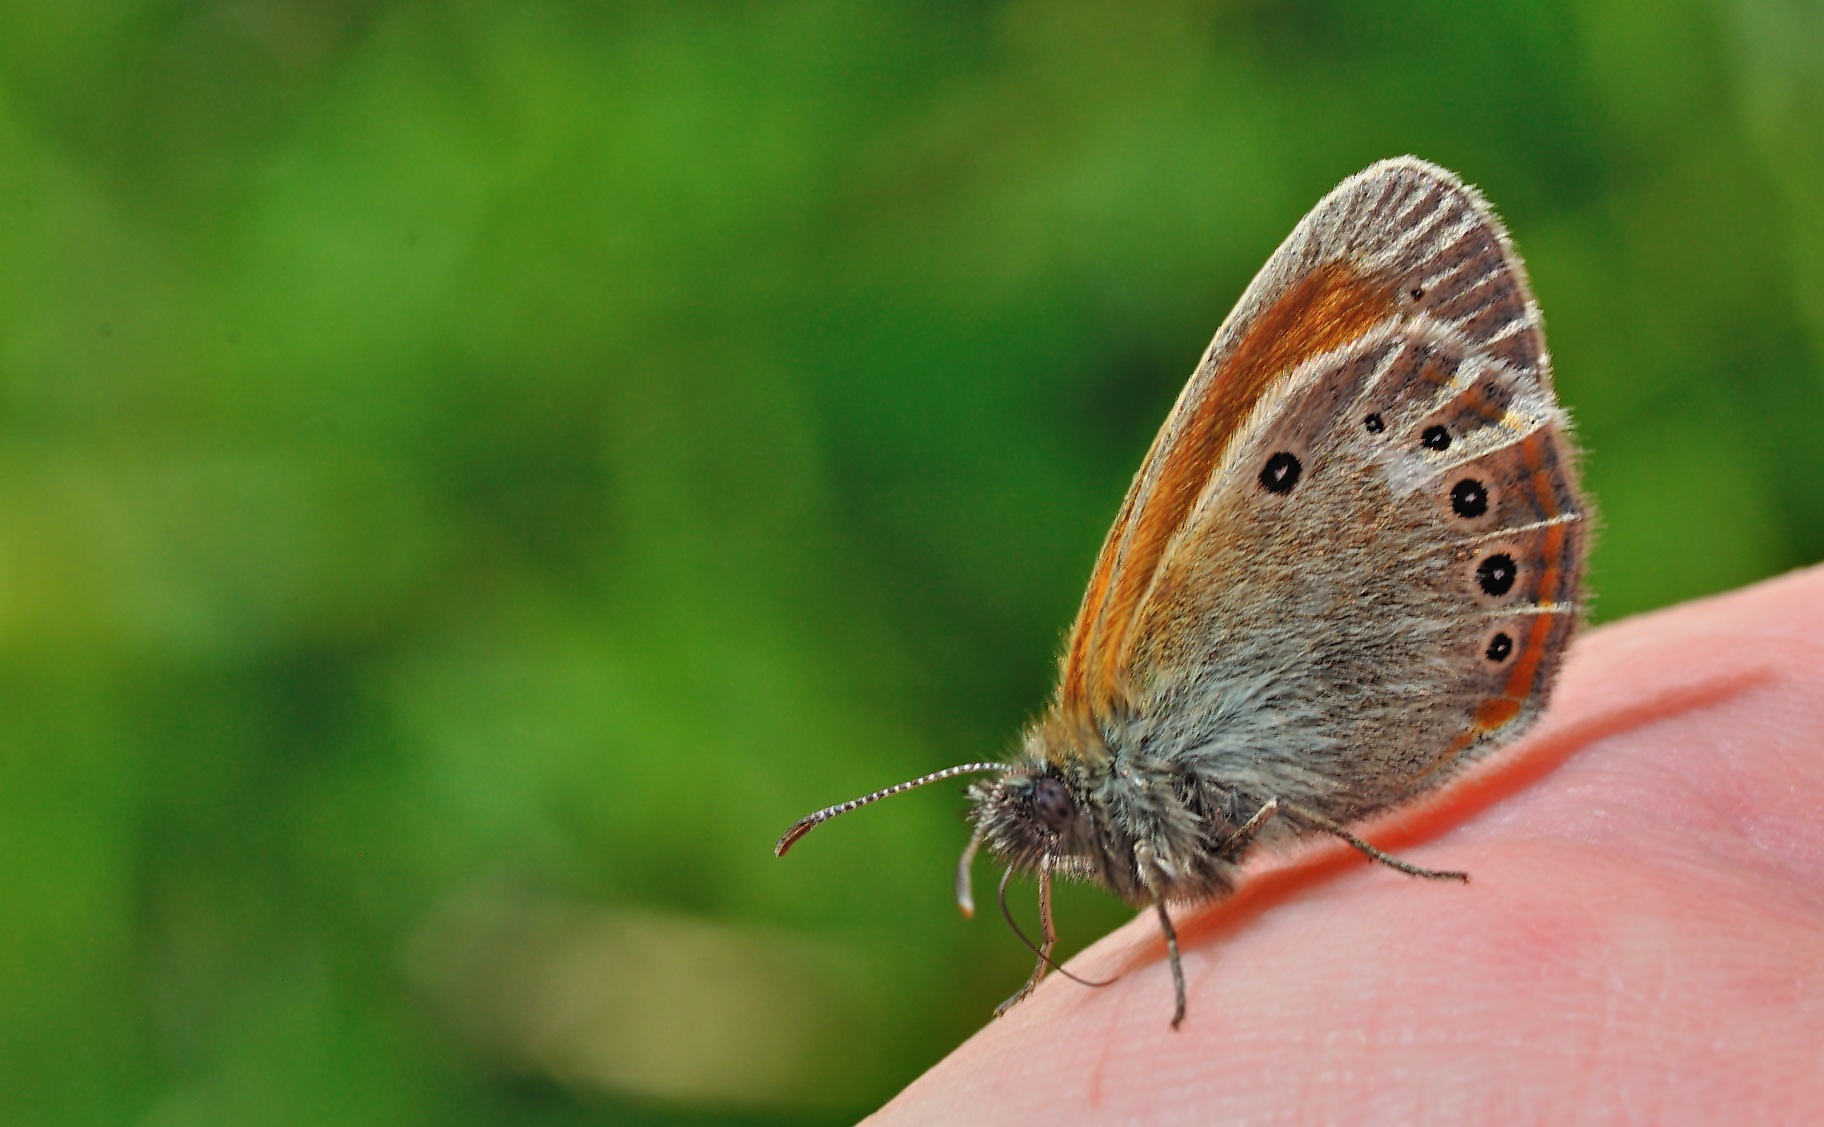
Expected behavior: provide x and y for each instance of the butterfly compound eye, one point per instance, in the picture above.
(1051, 801)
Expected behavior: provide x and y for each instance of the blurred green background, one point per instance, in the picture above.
(471, 474)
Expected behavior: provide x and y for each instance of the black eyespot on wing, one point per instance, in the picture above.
(1496, 574)
(1280, 473)
(1435, 438)
(1052, 802)
(1469, 498)
(1374, 423)
(1417, 292)
(1500, 648)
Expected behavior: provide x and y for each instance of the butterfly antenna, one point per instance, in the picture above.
(1030, 946)
(811, 821)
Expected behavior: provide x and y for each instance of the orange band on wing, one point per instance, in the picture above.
(1521, 679)
(1327, 309)
(1474, 401)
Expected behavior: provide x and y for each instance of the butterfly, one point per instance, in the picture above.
(1348, 567)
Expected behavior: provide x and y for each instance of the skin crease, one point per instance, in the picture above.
(1641, 940)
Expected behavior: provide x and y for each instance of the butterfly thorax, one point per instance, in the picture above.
(1084, 802)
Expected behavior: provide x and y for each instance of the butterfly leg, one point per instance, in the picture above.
(1146, 861)
(1231, 844)
(1330, 827)
(1171, 949)
(1050, 939)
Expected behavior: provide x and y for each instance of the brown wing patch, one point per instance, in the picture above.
(1331, 306)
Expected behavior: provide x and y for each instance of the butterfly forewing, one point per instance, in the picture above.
(1327, 307)
(1313, 529)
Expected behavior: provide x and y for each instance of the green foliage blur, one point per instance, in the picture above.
(472, 473)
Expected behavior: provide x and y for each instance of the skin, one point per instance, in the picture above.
(1642, 937)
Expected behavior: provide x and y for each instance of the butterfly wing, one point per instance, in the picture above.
(1313, 295)
(1294, 591)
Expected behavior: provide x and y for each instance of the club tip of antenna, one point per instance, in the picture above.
(798, 830)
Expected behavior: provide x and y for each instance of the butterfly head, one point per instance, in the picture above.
(1030, 816)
